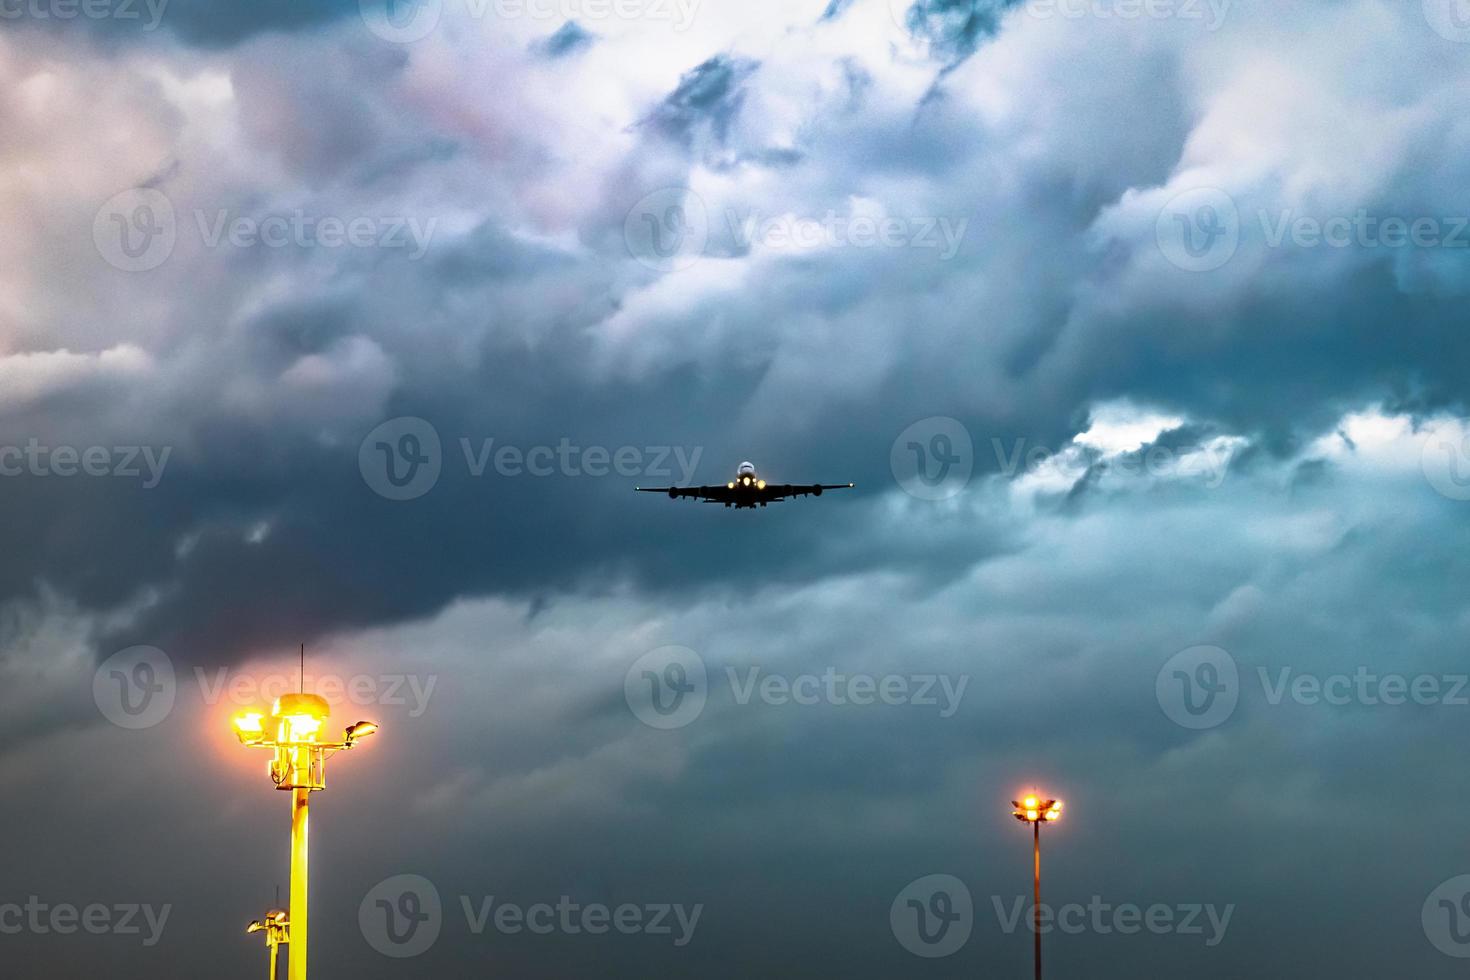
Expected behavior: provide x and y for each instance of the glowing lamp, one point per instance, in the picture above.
(249, 727)
(299, 718)
(1034, 809)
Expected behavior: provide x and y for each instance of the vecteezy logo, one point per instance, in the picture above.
(401, 458)
(401, 916)
(1446, 917)
(933, 458)
(932, 917)
(667, 688)
(1445, 460)
(668, 229)
(1199, 230)
(401, 21)
(135, 230)
(1199, 687)
(135, 688)
(1449, 18)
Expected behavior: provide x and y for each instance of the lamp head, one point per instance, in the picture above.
(274, 920)
(299, 718)
(361, 729)
(1034, 809)
(250, 727)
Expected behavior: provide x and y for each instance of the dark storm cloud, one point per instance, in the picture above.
(335, 552)
(209, 24)
(218, 22)
(955, 28)
(1051, 304)
(569, 39)
(706, 102)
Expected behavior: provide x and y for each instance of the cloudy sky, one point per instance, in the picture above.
(1139, 325)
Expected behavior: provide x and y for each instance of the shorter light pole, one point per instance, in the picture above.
(1036, 811)
(277, 928)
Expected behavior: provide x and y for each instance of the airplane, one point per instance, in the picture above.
(747, 490)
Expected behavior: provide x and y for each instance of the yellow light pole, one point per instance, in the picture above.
(276, 926)
(1036, 811)
(299, 767)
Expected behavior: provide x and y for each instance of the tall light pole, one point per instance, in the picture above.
(1036, 811)
(277, 929)
(299, 767)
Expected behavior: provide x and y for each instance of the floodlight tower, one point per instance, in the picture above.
(292, 731)
(1036, 811)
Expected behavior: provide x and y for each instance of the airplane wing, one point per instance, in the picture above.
(780, 491)
(718, 494)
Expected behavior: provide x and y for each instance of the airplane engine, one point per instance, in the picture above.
(817, 492)
(673, 493)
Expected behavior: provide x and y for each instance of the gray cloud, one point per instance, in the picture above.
(1055, 300)
(569, 39)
